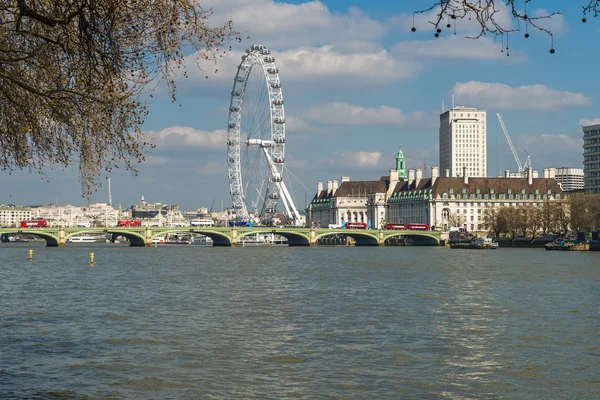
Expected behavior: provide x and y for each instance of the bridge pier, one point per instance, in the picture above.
(381, 240)
(234, 236)
(62, 242)
(148, 237)
(313, 237)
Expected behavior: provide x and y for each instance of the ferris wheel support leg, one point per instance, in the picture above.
(284, 200)
(295, 216)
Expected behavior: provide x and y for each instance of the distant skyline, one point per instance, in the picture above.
(357, 83)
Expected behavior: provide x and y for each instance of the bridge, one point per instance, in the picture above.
(226, 236)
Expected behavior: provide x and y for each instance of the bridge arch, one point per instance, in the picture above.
(219, 238)
(135, 238)
(51, 237)
(294, 238)
(362, 238)
(422, 238)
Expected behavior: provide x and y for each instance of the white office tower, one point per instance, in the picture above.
(463, 141)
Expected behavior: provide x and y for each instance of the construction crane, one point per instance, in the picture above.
(522, 168)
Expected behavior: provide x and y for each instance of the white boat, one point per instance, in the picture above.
(83, 239)
(173, 239)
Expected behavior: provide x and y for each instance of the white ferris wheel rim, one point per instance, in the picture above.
(257, 56)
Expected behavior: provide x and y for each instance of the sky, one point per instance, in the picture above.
(357, 83)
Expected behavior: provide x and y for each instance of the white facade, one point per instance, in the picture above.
(11, 216)
(67, 216)
(463, 141)
(591, 158)
(446, 202)
(334, 206)
(568, 178)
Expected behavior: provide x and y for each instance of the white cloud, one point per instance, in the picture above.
(361, 159)
(552, 150)
(587, 122)
(500, 96)
(347, 114)
(211, 168)
(299, 124)
(315, 65)
(457, 47)
(175, 136)
(285, 25)
(156, 160)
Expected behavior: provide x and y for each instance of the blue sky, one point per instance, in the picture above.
(357, 83)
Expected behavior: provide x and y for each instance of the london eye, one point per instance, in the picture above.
(256, 139)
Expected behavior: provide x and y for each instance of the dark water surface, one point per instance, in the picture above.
(196, 322)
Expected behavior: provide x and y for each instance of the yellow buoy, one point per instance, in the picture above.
(30, 255)
(92, 258)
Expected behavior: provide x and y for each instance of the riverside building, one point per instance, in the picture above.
(569, 179)
(441, 202)
(463, 141)
(351, 201)
(591, 158)
(11, 216)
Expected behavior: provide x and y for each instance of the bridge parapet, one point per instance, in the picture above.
(226, 236)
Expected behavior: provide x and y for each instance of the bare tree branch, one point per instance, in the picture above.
(486, 13)
(73, 75)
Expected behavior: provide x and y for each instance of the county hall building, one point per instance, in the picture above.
(406, 197)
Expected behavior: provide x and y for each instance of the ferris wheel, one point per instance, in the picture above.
(256, 139)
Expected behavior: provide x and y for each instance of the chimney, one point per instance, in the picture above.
(335, 186)
(507, 173)
(411, 176)
(536, 174)
(435, 173)
(345, 179)
(393, 181)
(447, 173)
(329, 186)
(418, 176)
(546, 173)
(552, 173)
(465, 176)
(530, 176)
(319, 187)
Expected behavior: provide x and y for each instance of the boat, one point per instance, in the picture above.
(83, 239)
(173, 239)
(565, 245)
(263, 239)
(475, 244)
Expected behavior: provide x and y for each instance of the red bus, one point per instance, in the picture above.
(34, 223)
(395, 226)
(128, 222)
(418, 227)
(356, 225)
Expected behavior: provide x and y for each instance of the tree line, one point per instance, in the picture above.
(579, 213)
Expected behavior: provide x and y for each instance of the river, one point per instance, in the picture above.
(195, 322)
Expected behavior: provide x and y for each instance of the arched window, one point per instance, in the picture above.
(445, 214)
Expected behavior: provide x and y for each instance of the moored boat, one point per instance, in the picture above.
(84, 239)
(475, 244)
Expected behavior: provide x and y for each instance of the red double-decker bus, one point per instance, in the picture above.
(395, 226)
(128, 222)
(418, 227)
(356, 225)
(34, 223)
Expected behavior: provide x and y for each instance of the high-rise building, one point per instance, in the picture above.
(463, 141)
(568, 178)
(591, 158)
